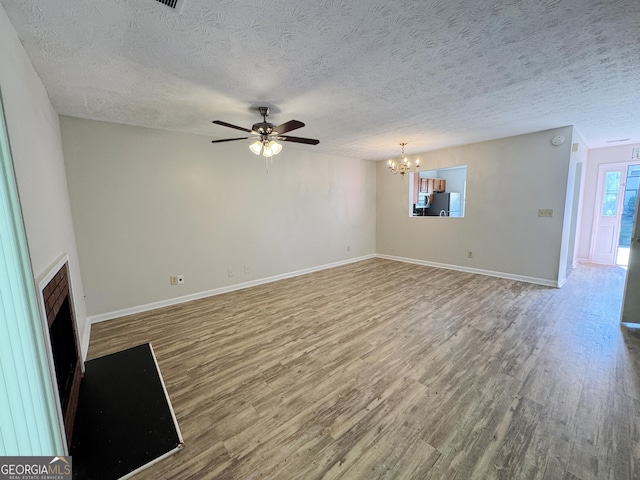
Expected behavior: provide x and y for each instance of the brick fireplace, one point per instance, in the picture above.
(63, 334)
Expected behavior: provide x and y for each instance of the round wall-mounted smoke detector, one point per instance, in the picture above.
(559, 140)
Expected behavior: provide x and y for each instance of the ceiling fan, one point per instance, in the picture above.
(266, 134)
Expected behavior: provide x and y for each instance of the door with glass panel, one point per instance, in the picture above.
(611, 207)
(629, 212)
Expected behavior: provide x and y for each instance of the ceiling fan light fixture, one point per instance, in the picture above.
(256, 147)
(276, 148)
(267, 151)
(264, 134)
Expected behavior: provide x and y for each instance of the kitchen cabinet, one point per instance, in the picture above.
(430, 185)
(426, 187)
(439, 185)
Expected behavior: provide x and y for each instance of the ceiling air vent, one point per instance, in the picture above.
(175, 4)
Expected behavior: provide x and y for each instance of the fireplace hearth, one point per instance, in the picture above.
(64, 344)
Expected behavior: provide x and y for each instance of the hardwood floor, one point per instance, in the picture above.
(383, 369)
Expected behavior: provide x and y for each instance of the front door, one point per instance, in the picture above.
(609, 207)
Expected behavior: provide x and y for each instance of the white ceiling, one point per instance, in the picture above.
(364, 75)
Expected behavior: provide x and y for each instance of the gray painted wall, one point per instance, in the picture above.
(508, 180)
(148, 204)
(38, 160)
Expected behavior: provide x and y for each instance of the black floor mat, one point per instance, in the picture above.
(124, 419)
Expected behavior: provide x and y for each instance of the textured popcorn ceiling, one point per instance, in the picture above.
(363, 75)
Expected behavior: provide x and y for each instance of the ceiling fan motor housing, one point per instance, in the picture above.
(263, 128)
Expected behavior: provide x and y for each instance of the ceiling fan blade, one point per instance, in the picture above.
(229, 139)
(225, 124)
(308, 141)
(288, 126)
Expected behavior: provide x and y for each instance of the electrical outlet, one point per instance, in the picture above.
(173, 279)
(348, 248)
(230, 272)
(469, 254)
(180, 279)
(247, 270)
(545, 212)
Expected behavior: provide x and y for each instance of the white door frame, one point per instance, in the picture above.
(623, 167)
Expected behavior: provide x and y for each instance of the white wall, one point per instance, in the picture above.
(572, 201)
(575, 194)
(596, 157)
(148, 204)
(34, 134)
(36, 152)
(455, 177)
(508, 180)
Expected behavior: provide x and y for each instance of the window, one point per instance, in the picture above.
(438, 193)
(610, 197)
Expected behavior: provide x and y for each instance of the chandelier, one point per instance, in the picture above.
(404, 165)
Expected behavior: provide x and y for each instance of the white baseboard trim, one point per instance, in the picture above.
(84, 342)
(240, 286)
(634, 327)
(508, 276)
(218, 291)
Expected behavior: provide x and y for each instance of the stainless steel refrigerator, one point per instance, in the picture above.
(445, 204)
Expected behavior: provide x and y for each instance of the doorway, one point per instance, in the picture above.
(615, 212)
(630, 198)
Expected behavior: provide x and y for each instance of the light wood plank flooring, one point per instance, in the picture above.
(388, 370)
